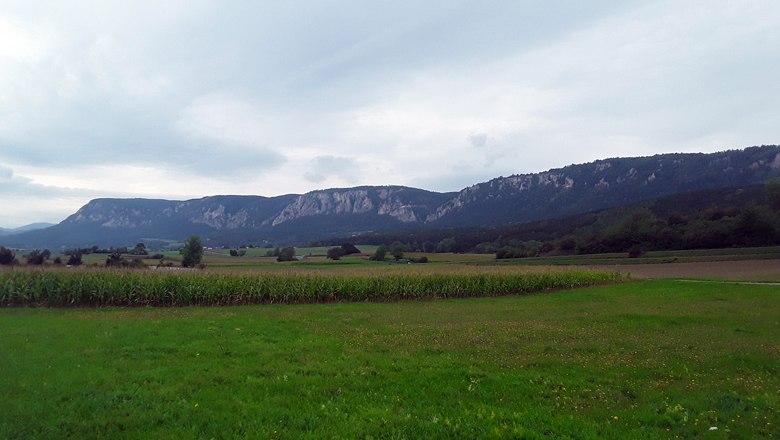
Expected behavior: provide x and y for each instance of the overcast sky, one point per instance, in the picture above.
(183, 99)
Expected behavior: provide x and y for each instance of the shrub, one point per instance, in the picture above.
(37, 257)
(335, 253)
(397, 250)
(7, 256)
(286, 254)
(75, 259)
(635, 251)
(349, 249)
(379, 254)
(115, 260)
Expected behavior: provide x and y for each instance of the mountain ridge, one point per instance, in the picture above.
(318, 214)
(25, 228)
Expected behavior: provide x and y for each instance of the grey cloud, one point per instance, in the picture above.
(113, 81)
(321, 167)
(22, 186)
(478, 140)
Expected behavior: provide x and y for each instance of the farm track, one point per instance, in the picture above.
(745, 270)
(742, 283)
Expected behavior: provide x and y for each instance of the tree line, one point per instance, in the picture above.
(736, 217)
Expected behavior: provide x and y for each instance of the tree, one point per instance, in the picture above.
(115, 260)
(286, 254)
(37, 257)
(74, 259)
(7, 256)
(335, 253)
(397, 250)
(635, 251)
(773, 193)
(192, 252)
(485, 248)
(139, 249)
(446, 245)
(349, 249)
(379, 254)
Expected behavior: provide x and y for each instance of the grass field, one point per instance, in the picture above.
(315, 259)
(653, 359)
(654, 257)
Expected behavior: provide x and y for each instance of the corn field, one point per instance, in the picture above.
(85, 287)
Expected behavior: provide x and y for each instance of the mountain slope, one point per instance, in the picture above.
(675, 210)
(237, 219)
(25, 228)
(231, 220)
(603, 184)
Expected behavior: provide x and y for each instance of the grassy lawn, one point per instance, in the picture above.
(655, 359)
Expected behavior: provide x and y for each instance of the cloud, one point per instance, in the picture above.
(6, 174)
(194, 98)
(322, 167)
(478, 140)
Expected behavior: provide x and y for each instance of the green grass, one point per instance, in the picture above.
(255, 259)
(653, 257)
(660, 359)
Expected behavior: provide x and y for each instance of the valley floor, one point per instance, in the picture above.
(650, 359)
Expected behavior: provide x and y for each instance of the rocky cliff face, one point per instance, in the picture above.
(500, 189)
(325, 203)
(395, 202)
(119, 213)
(219, 218)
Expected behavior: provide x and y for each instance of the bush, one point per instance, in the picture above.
(37, 257)
(379, 254)
(446, 245)
(139, 249)
(635, 251)
(336, 253)
(7, 256)
(286, 254)
(349, 249)
(117, 260)
(397, 250)
(75, 259)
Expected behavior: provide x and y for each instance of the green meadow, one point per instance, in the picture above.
(650, 359)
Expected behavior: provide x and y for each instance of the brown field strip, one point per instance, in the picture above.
(746, 270)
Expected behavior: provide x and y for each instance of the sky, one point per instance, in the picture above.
(185, 99)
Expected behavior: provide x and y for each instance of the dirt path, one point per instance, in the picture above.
(749, 270)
